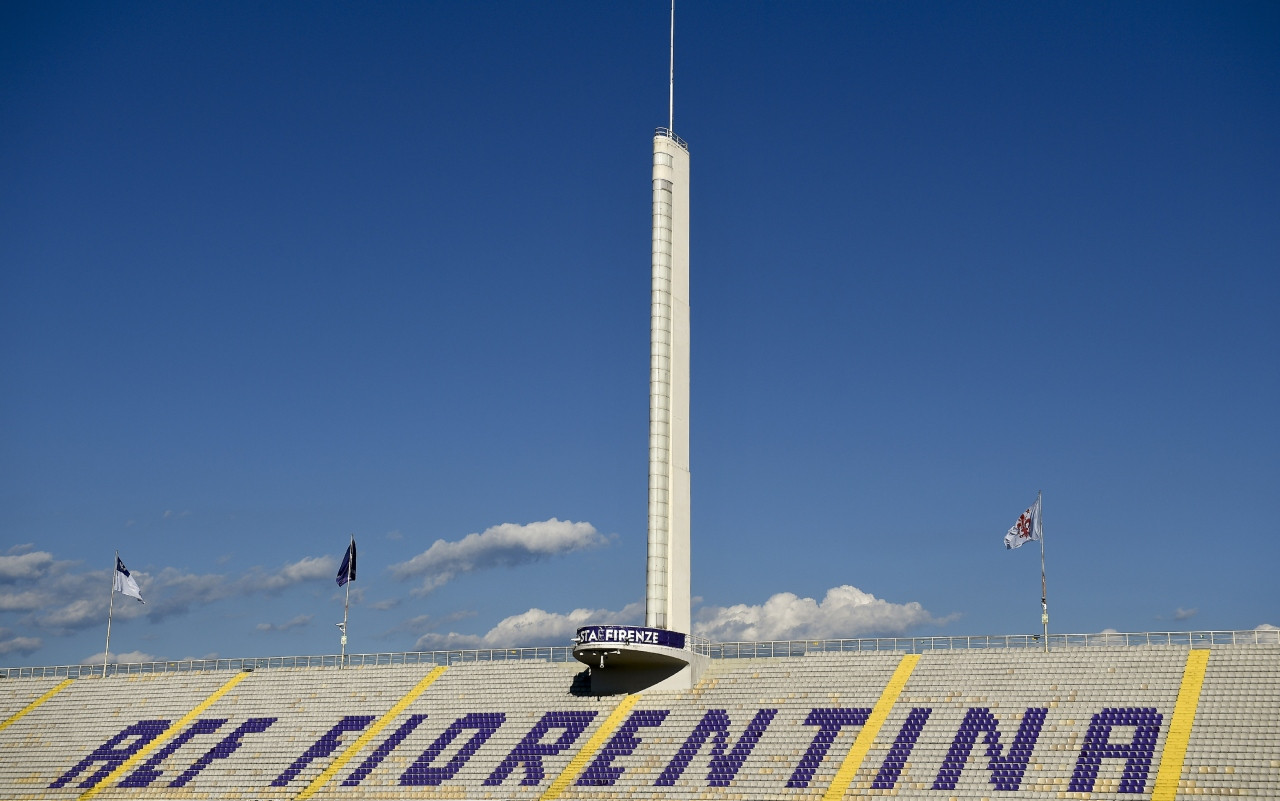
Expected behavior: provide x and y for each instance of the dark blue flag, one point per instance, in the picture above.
(347, 570)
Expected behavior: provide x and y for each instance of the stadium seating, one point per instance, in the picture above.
(1010, 723)
(1235, 744)
(17, 693)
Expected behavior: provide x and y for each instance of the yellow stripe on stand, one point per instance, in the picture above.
(867, 736)
(1184, 714)
(164, 736)
(369, 734)
(59, 687)
(594, 744)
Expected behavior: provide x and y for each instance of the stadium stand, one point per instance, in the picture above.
(1150, 721)
(17, 694)
(1234, 747)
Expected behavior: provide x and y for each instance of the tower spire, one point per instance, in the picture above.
(671, 86)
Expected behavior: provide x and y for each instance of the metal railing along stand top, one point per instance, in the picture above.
(699, 645)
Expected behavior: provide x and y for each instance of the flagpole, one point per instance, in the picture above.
(346, 604)
(106, 651)
(1044, 593)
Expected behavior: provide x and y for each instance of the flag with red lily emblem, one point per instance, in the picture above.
(1026, 529)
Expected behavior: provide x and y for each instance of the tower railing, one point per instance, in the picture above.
(667, 133)
(722, 650)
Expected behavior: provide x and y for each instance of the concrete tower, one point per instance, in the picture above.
(661, 655)
(667, 595)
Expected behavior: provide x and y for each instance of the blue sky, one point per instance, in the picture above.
(275, 274)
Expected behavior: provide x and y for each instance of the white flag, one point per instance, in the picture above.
(124, 583)
(1027, 528)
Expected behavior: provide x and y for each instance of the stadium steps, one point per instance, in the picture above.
(1233, 749)
(49, 741)
(17, 694)
(1235, 743)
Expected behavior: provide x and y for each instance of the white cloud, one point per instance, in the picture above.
(1108, 637)
(18, 645)
(422, 624)
(124, 658)
(47, 597)
(538, 627)
(75, 615)
(22, 547)
(532, 628)
(25, 566)
(356, 594)
(505, 545)
(306, 569)
(1267, 632)
(175, 592)
(20, 601)
(452, 641)
(297, 622)
(62, 601)
(845, 611)
(1184, 614)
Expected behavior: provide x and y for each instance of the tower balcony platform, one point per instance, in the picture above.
(627, 659)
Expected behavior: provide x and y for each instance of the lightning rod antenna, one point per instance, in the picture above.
(671, 93)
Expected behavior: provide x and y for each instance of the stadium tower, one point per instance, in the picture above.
(660, 653)
(667, 598)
